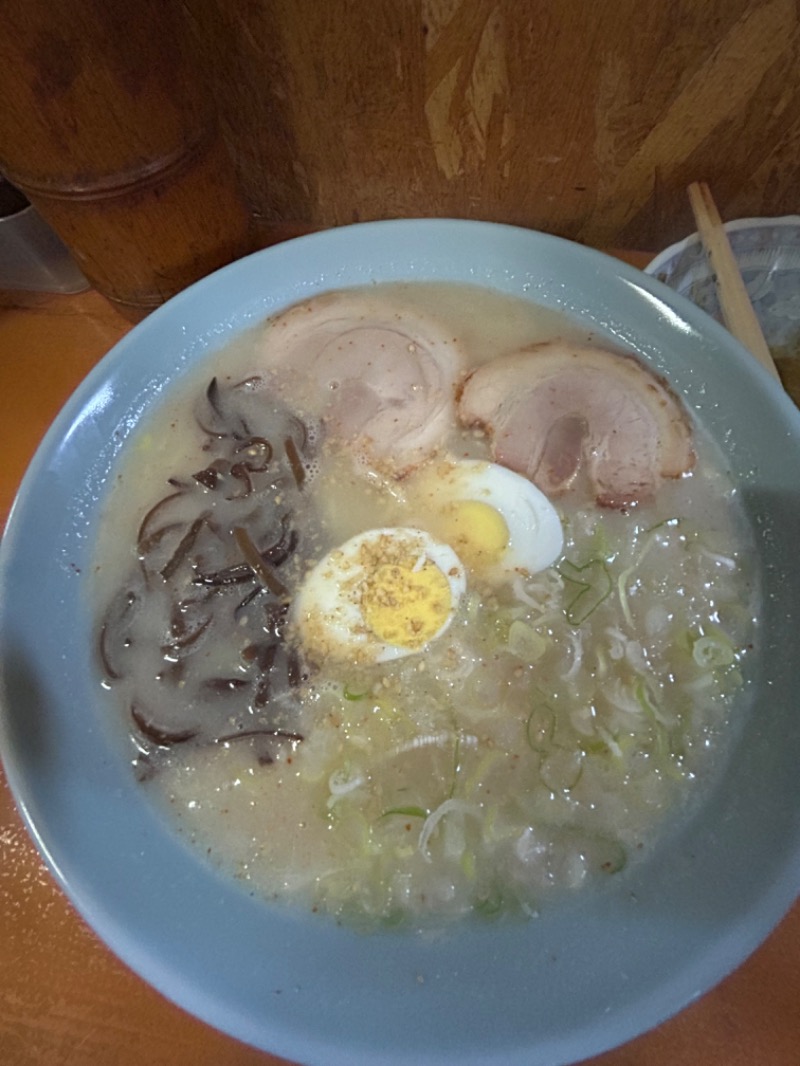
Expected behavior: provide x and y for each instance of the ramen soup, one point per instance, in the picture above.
(417, 603)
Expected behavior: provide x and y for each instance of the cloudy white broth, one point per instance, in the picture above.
(415, 603)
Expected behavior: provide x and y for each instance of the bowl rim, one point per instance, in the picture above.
(659, 262)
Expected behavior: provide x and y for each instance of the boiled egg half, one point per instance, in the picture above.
(498, 522)
(381, 595)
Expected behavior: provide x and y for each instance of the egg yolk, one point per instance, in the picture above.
(405, 606)
(476, 532)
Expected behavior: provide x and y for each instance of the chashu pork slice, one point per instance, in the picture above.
(553, 407)
(379, 376)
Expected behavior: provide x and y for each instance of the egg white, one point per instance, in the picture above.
(535, 535)
(327, 611)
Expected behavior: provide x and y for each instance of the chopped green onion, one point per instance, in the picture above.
(713, 650)
(406, 812)
(456, 764)
(646, 702)
(489, 906)
(610, 741)
(348, 695)
(524, 642)
(622, 592)
(540, 727)
(593, 745)
(615, 859)
(481, 772)
(600, 542)
(593, 582)
(663, 750)
(342, 782)
(665, 522)
(561, 769)
(433, 819)
(622, 582)
(468, 864)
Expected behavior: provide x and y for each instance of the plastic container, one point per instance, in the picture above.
(767, 251)
(33, 257)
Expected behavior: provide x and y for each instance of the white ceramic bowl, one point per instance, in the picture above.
(590, 973)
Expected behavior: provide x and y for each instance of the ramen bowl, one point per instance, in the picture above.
(587, 974)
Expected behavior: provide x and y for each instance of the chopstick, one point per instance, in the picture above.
(737, 310)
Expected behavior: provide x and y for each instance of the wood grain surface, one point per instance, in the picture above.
(65, 1000)
(584, 119)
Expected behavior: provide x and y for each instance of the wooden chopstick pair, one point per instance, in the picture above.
(737, 310)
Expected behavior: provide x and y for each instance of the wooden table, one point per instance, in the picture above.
(65, 1000)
